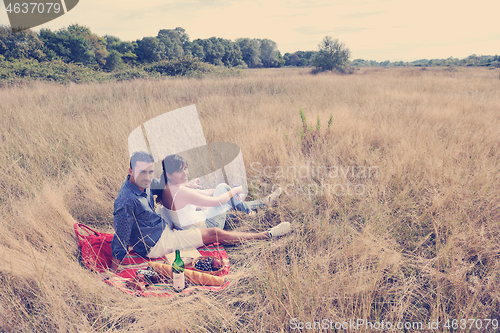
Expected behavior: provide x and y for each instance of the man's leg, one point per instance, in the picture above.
(216, 235)
(172, 240)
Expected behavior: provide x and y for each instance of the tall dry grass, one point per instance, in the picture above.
(417, 242)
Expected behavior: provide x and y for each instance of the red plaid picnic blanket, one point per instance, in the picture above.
(96, 250)
(166, 289)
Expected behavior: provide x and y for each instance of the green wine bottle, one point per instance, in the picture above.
(178, 272)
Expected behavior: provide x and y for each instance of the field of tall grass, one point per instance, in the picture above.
(395, 205)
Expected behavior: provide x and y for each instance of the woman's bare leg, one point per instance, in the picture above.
(216, 235)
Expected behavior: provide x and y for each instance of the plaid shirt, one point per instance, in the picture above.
(135, 221)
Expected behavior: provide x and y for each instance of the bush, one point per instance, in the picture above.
(114, 61)
(23, 71)
(130, 74)
(56, 71)
(181, 67)
(332, 55)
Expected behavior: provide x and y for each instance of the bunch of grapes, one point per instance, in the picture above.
(204, 264)
(208, 264)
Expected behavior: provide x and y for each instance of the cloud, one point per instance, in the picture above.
(154, 9)
(288, 15)
(189, 6)
(308, 3)
(310, 30)
(359, 15)
(194, 5)
(347, 30)
(332, 3)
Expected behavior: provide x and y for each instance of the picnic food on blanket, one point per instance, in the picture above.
(143, 278)
(204, 279)
(149, 276)
(204, 264)
(216, 264)
(137, 284)
(163, 269)
(192, 276)
(178, 272)
(208, 264)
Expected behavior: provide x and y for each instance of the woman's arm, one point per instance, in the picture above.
(194, 183)
(194, 197)
(208, 191)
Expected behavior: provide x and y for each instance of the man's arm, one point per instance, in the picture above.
(122, 222)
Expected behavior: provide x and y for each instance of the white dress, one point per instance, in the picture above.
(184, 218)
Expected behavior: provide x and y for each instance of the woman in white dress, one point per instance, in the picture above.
(186, 207)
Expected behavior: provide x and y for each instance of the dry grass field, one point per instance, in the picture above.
(395, 207)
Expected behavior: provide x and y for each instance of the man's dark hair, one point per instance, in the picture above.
(140, 156)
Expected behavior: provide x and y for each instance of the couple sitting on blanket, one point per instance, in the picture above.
(152, 235)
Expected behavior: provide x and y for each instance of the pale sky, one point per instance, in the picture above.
(379, 30)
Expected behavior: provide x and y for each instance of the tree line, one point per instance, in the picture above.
(78, 44)
(472, 60)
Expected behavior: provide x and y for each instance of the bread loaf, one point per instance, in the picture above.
(163, 269)
(203, 278)
(192, 276)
